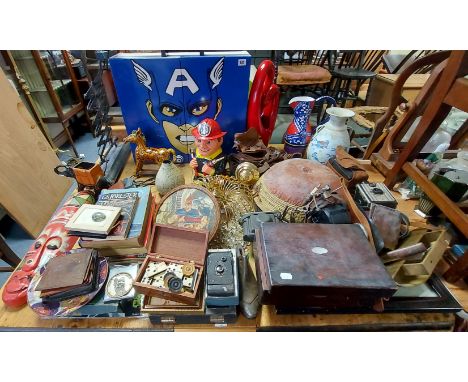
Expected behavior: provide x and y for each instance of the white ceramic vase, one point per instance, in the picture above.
(330, 135)
(169, 176)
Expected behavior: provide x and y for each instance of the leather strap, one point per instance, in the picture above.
(357, 215)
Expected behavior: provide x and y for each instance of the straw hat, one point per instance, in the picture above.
(289, 183)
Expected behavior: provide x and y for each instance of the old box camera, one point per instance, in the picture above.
(222, 284)
(378, 193)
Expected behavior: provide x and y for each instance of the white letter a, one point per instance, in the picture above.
(186, 81)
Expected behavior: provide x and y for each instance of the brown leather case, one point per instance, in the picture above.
(347, 167)
(388, 222)
(319, 265)
(66, 271)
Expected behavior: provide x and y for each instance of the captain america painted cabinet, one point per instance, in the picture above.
(168, 96)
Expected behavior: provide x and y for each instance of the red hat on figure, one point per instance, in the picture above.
(208, 129)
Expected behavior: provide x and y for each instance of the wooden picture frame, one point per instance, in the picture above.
(204, 214)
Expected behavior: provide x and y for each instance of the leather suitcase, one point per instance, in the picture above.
(319, 265)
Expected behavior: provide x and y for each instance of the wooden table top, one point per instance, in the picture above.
(267, 319)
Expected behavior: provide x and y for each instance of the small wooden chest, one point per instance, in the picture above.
(319, 265)
(175, 245)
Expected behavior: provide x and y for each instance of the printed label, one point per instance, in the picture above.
(286, 276)
(241, 62)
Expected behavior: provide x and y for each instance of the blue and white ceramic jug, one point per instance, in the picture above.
(299, 131)
(330, 135)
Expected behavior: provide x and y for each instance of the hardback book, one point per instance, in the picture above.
(87, 234)
(93, 219)
(90, 284)
(136, 233)
(127, 201)
(65, 271)
(138, 249)
(70, 275)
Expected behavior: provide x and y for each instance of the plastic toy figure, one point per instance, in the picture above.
(209, 159)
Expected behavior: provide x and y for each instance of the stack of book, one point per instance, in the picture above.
(132, 230)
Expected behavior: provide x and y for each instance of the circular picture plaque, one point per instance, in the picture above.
(190, 207)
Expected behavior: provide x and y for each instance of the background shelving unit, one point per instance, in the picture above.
(50, 78)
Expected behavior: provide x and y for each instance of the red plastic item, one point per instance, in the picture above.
(263, 101)
(52, 240)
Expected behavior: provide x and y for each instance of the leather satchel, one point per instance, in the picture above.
(347, 167)
(391, 224)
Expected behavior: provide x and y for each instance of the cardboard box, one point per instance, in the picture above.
(381, 88)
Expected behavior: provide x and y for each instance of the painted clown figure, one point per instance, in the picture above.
(209, 158)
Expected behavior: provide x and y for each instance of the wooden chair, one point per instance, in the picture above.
(301, 69)
(392, 144)
(449, 89)
(396, 63)
(350, 70)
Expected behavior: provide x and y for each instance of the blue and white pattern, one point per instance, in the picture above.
(301, 118)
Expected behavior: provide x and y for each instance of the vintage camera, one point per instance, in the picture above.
(222, 285)
(331, 214)
(253, 220)
(378, 193)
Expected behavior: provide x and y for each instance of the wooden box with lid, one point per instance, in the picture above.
(319, 265)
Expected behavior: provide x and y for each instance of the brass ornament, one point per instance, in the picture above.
(247, 173)
(235, 199)
(144, 153)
